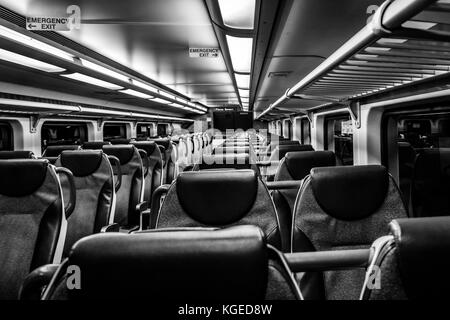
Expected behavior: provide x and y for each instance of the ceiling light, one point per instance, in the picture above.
(91, 80)
(28, 62)
(36, 44)
(162, 101)
(137, 94)
(106, 71)
(167, 95)
(145, 86)
(238, 14)
(244, 93)
(240, 52)
(243, 81)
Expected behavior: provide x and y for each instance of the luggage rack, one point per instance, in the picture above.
(407, 41)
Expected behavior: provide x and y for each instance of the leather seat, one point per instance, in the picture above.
(94, 145)
(5, 155)
(95, 192)
(184, 264)
(296, 166)
(226, 161)
(219, 199)
(53, 152)
(412, 263)
(131, 191)
(278, 154)
(120, 141)
(168, 159)
(154, 177)
(430, 190)
(32, 221)
(342, 208)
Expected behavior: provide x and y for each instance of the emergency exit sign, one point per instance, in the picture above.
(203, 52)
(47, 23)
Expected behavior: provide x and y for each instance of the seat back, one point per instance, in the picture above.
(94, 183)
(55, 151)
(120, 141)
(154, 177)
(220, 198)
(280, 151)
(131, 191)
(296, 166)
(412, 263)
(234, 263)
(430, 190)
(168, 159)
(342, 208)
(32, 221)
(226, 161)
(5, 155)
(94, 145)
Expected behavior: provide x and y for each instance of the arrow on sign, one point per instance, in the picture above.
(30, 26)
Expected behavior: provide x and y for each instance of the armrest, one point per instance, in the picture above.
(35, 283)
(142, 206)
(52, 160)
(113, 227)
(73, 191)
(114, 160)
(156, 204)
(283, 185)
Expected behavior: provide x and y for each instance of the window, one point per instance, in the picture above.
(6, 137)
(306, 131)
(60, 133)
(163, 129)
(339, 138)
(144, 131)
(114, 131)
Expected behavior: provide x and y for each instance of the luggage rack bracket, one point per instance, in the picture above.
(34, 122)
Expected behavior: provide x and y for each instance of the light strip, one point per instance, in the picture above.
(240, 53)
(159, 100)
(145, 86)
(239, 14)
(28, 62)
(31, 42)
(90, 80)
(136, 94)
(243, 81)
(244, 93)
(106, 71)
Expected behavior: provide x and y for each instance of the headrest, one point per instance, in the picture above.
(81, 162)
(94, 145)
(162, 142)
(176, 265)
(225, 150)
(283, 149)
(55, 151)
(147, 146)
(350, 193)
(217, 198)
(238, 161)
(120, 141)
(124, 152)
(299, 164)
(4, 155)
(21, 177)
(422, 251)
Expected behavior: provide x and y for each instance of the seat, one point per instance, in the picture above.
(296, 166)
(184, 264)
(32, 220)
(168, 159)
(131, 192)
(412, 262)
(219, 199)
(232, 149)
(94, 145)
(226, 161)
(120, 141)
(5, 155)
(95, 193)
(430, 190)
(53, 152)
(406, 159)
(154, 177)
(342, 208)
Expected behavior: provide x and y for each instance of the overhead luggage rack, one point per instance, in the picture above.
(405, 42)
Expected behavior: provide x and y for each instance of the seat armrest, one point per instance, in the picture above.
(113, 227)
(35, 283)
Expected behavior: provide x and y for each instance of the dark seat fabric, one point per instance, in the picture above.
(55, 151)
(94, 145)
(220, 198)
(406, 159)
(131, 190)
(32, 221)
(280, 151)
(296, 166)
(413, 263)
(120, 141)
(196, 264)
(430, 191)
(5, 155)
(94, 183)
(226, 161)
(154, 177)
(342, 208)
(168, 159)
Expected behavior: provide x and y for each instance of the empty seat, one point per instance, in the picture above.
(55, 151)
(184, 264)
(94, 145)
(120, 141)
(412, 263)
(154, 177)
(430, 190)
(5, 155)
(168, 159)
(32, 220)
(219, 198)
(296, 166)
(225, 161)
(342, 208)
(131, 191)
(95, 193)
